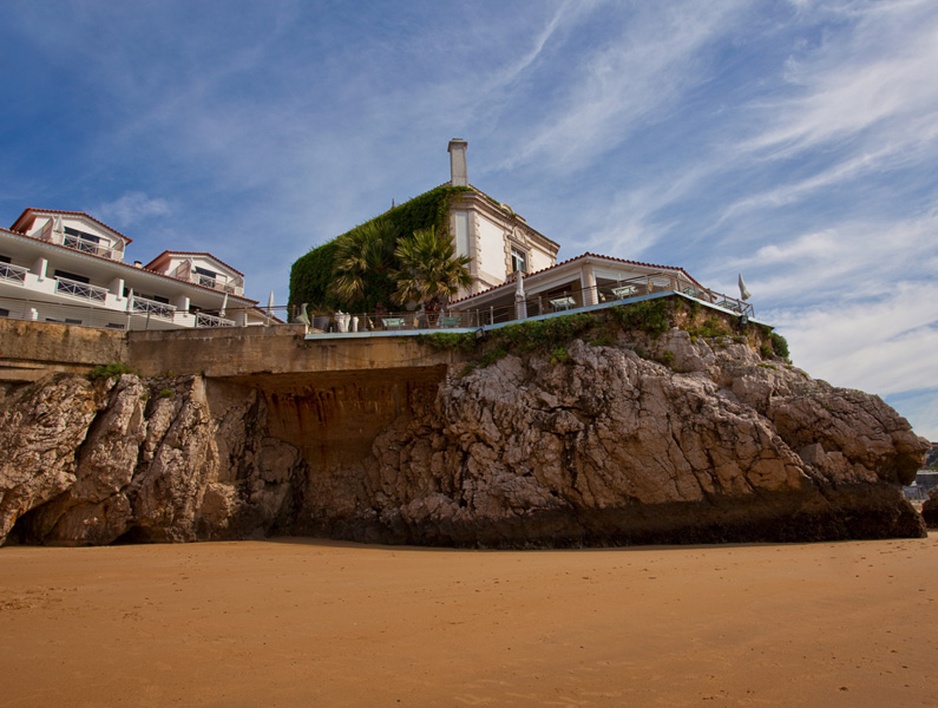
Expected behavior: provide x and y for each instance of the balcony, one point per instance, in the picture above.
(205, 320)
(85, 245)
(14, 273)
(232, 286)
(82, 290)
(146, 306)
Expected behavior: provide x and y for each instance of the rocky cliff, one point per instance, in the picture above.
(605, 436)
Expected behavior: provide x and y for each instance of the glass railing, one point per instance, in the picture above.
(549, 303)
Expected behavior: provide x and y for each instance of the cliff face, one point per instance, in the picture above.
(123, 459)
(602, 444)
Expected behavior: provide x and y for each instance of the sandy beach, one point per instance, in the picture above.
(308, 622)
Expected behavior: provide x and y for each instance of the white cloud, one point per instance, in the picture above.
(863, 85)
(921, 410)
(627, 80)
(132, 208)
(885, 346)
(849, 261)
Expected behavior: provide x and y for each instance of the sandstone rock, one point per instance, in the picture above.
(41, 428)
(93, 463)
(615, 448)
(95, 509)
(668, 439)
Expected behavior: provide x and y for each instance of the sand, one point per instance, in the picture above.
(307, 622)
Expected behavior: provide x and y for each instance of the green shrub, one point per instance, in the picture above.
(560, 355)
(449, 341)
(653, 317)
(711, 328)
(167, 392)
(603, 339)
(492, 355)
(779, 345)
(108, 371)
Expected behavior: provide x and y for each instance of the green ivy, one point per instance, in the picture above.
(313, 273)
(311, 277)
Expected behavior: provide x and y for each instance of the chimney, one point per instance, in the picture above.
(457, 162)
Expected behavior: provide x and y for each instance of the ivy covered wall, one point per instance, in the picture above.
(313, 274)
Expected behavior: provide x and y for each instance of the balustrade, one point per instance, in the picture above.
(16, 273)
(82, 290)
(152, 307)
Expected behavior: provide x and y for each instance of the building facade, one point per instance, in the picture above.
(498, 241)
(515, 271)
(62, 266)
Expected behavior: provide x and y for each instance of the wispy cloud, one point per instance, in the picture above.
(888, 344)
(131, 209)
(882, 75)
(793, 141)
(631, 77)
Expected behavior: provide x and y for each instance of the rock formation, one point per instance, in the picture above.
(629, 438)
(123, 459)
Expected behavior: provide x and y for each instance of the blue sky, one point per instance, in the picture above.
(790, 140)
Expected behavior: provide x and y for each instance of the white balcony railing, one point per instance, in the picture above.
(152, 307)
(88, 246)
(205, 320)
(185, 271)
(16, 273)
(82, 290)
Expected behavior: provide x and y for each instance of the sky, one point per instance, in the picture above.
(792, 141)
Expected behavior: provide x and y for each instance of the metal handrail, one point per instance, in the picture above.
(544, 304)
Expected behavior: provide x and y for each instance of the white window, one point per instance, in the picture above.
(462, 233)
(519, 261)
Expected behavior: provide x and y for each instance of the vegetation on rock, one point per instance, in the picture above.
(107, 371)
(650, 319)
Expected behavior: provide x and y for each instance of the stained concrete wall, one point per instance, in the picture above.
(329, 398)
(39, 347)
(232, 352)
(29, 350)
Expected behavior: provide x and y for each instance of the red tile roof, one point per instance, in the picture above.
(28, 210)
(205, 254)
(511, 281)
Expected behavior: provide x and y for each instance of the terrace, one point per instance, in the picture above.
(538, 307)
(81, 241)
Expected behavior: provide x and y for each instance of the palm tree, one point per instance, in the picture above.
(430, 271)
(361, 254)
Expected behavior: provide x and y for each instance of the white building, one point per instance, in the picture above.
(502, 245)
(64, 266)
(583, 281)
(498, 241)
